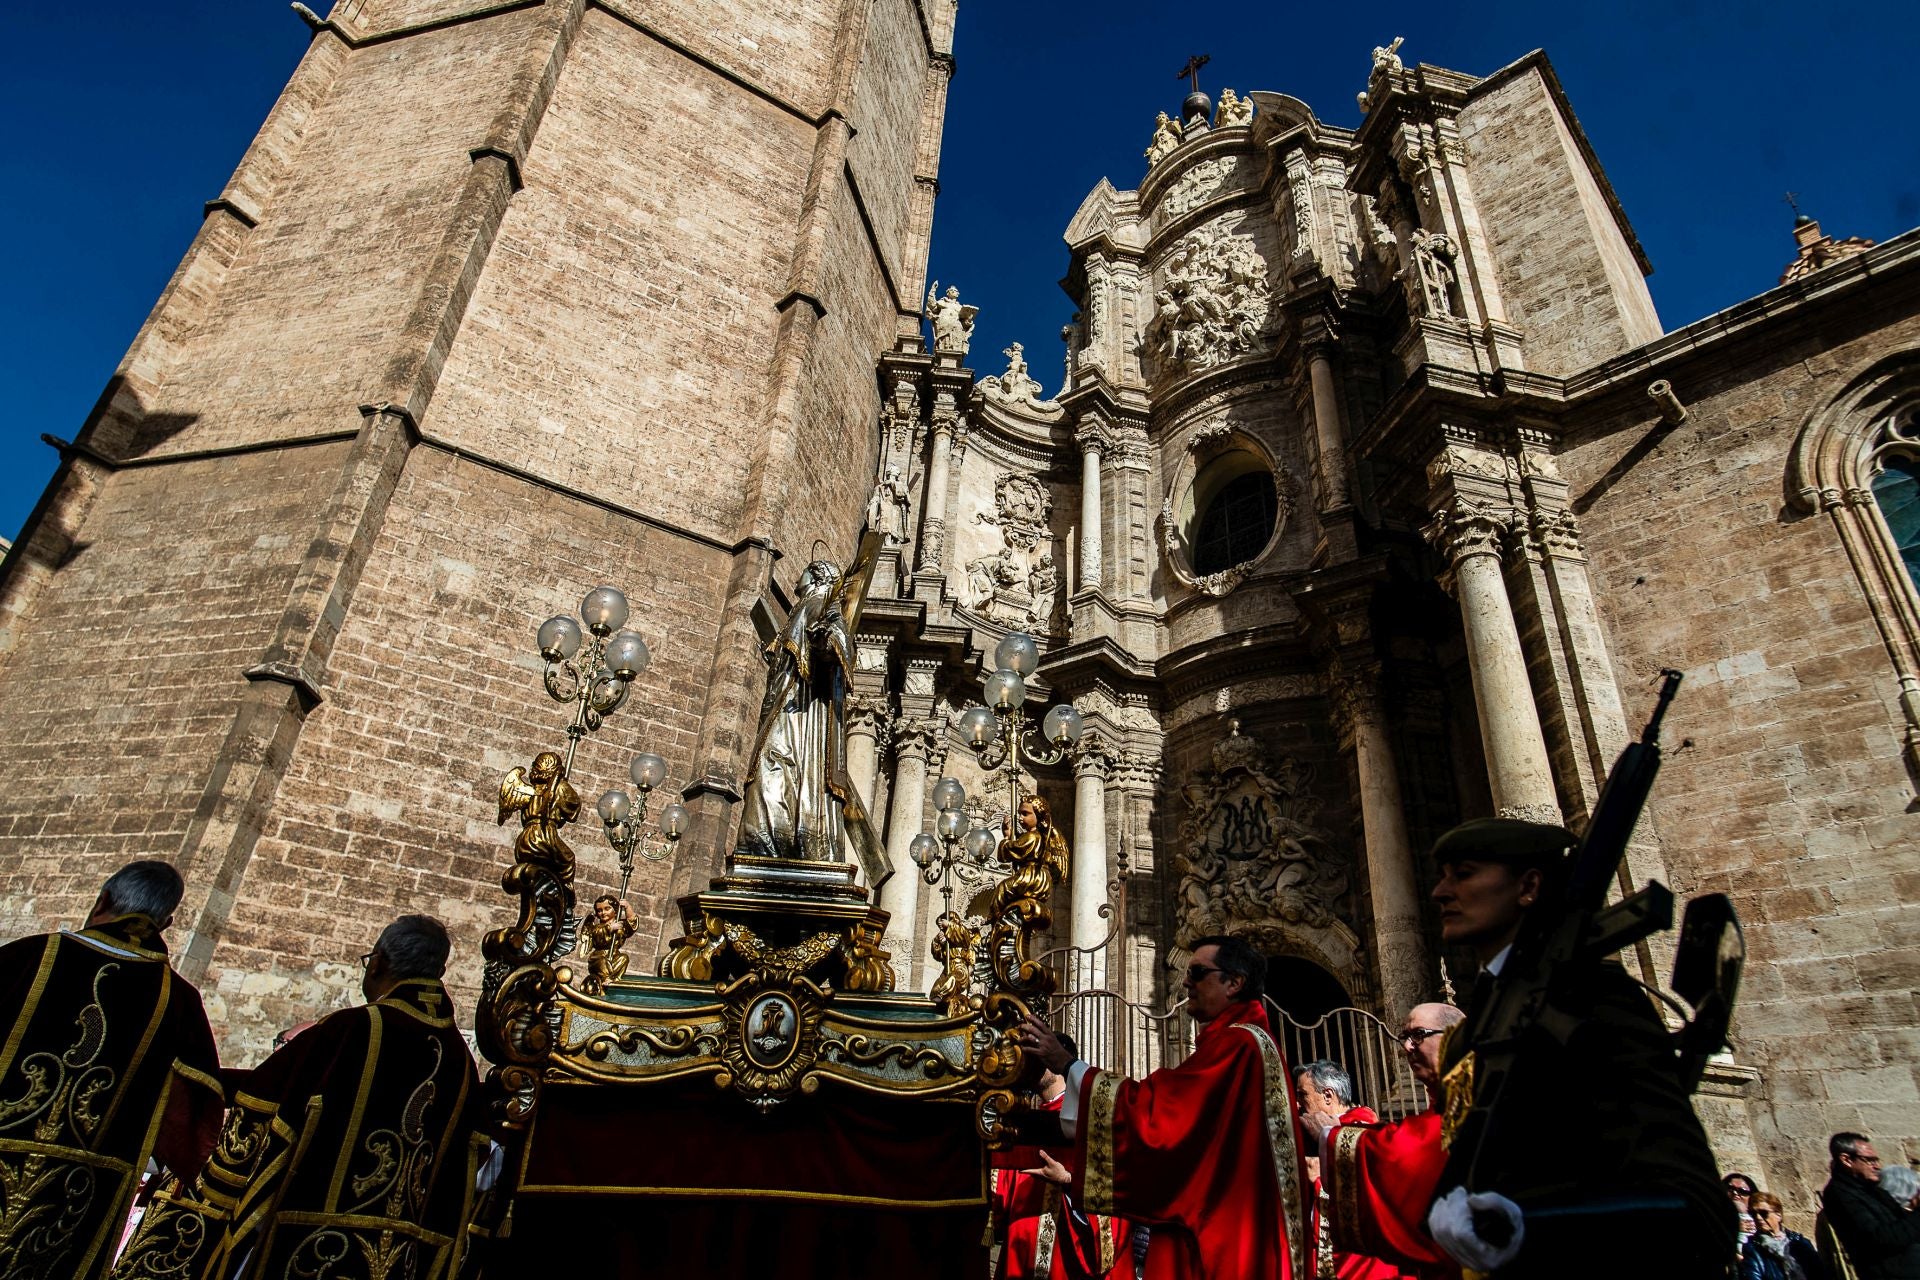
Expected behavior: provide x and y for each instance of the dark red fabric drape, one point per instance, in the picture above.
(672, 1180)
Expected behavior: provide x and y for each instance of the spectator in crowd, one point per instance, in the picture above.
(1863, 1227)
(1902, 1182)
(1739, 1188)
(1772, 1252)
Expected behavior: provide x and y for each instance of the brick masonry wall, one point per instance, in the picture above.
(618, 340)
(122, 686)
(1568, 280)
(307, 320)
(1784, 785)
(389, 802)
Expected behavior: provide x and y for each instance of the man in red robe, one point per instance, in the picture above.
(1046, 1234)
(1204, 1152)
(1324, 1090)
(1380, 1179)
(105, 1060)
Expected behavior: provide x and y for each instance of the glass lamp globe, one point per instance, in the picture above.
(647, 771)
(1018, 654)
(614, 805)
(603, 609)
(673, 820)
(1063, 726)
(949, 794)
(950, 824)
(559, 638)
(1005, 690)
(923, 850)
(979, 843)
(627, 655)
(977, 726)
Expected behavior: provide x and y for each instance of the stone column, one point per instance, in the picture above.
(1327, 429)
(1517, 767)
(866, 726)
(1094, 439)
(1398, 941)
(900, 895)
(1091, 868)
(933, 503)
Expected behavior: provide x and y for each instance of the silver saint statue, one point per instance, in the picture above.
(800, 801)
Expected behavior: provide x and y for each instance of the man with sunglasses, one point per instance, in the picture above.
(1380, 1179)
(1205, 1151)
(1880, 1237)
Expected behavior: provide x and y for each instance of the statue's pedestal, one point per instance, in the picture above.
(809, 918)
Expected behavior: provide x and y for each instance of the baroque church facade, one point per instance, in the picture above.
(1374, 498)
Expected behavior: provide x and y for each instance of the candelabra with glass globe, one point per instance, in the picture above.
(1001, 733)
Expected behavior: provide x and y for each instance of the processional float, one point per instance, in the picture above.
(767, 1103)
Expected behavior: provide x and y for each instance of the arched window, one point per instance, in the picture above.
(1858, 460)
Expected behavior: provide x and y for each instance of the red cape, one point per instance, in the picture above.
(1347, 1266)
(1205, 1152)
(1380, 1182)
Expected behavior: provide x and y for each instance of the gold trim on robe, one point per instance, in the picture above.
(1097, 1181)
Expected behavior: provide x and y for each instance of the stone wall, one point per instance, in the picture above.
(1784, 784)
(1568, 275)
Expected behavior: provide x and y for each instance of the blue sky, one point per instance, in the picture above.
(128, 118)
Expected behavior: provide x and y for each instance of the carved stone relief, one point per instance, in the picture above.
(1251, 862)
(1016, 387)
(1213, 303)
(1017, 583)
(1200, 184)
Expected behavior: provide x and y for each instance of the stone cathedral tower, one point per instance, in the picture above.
(504, 301)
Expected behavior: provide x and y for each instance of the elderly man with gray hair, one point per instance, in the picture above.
(105, 1060)
(355, 1140)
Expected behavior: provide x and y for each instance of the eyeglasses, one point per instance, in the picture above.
(1413, 1037)
(1738, 1192)
(366, 960)
(1848, 1155)
(1199, 972)
(1766, 1213)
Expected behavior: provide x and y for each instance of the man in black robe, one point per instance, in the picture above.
(350, 1153)
(105, 1060)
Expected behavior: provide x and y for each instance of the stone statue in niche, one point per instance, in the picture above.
(1016, 385)
(1005, 585)
(952, 320)
(1234, 110)
(1253, 863)
(1166, 139)
(1213, 305)
(1431, 289)
(887, 508)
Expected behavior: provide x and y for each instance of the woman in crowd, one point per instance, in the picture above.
(1774, 1253)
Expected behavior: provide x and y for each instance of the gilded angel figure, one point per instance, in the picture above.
(546, 802)
(1037, 853)
(606, 930)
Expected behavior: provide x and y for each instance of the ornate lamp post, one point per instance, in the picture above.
(955, 942)
(597, 683)
(1001, 734)
(624, 818)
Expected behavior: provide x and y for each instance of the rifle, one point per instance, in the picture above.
(1561, 936)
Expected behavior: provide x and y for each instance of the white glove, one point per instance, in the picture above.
(1451, 1223)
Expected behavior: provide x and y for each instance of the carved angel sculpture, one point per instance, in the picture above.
(1038, 855)
(606, 931)
(1234, 110)
(1166, 139)
(546, 802)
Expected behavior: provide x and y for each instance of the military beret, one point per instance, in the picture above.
(1508, 840)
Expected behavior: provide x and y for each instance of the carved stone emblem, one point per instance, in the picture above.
(1213, 304)
(1253, 863)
